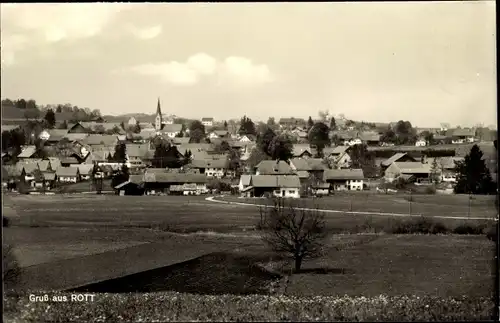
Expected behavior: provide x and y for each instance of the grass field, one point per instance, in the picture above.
(188, 244)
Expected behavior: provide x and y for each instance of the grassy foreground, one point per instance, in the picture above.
(188, 307)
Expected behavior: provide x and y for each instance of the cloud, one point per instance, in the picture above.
(50, 23)
(146, 33)
(232, 70)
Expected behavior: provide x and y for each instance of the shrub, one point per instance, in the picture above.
(421, 225)
(430, 190)
(468, 228)
(5, 222)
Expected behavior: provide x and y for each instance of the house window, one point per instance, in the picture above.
(291, 192)
(277, 191)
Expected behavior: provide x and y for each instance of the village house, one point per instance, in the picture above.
(68, 174)
(132, 122)
(210, 167)
(303, 151)
(247, 138)
(369, 138)
(171, 130)
(134, 186)
(28, 170)
(138, 154)
(397, 157)
(344, 179)
(415, 171)
(207, 122)
(159, 181)
(273, 167)
(290, 123)
(286, 186)
(85, 171)
(447, 168)
(218, 134)
(180, 140)
(461, 136)
(338, 156)
(106, 140)
(313, 166)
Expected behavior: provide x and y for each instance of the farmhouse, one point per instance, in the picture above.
(460, 136)
(175, 183)
(68, 174)
(134, 186)
(303, 151)
(244, 182)
(397, 157)
(171, 130)
(311, 166)
(27, 152)
(447, 165)
(344, 179)
(85, 170)
(275, 185)
(417, 170)
(210, 167)
(339, 156)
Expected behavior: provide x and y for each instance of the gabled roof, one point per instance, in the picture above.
(49, 176)
(107, 140)
(56, 134)
(180, 140)
(303, 174)
(449, 162)
(369, 136)
(43, 165)
(69, 160)
(27, 152)
(343, 174)
(55, 163)
(413, 167)
(463, 133)
(84, 169)
(394, 158)
(221, 132)
(67, 171)
(209, 163)
(299, 149)
(29, 168)
(207, 119)
(245, 179)
(274, 181)
(271, 167)
(139, 150)
(171, 128)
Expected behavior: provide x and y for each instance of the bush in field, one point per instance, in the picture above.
(421, 225)
(187, 307)
(430, 190)
(467, 228)
(492, 233)
(297, 233)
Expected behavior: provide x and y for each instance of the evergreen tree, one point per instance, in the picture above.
(120, 155)
(310, 123)
(333, 124)
(435, 172)
(473, 177)
(319, 137)
(50, 119)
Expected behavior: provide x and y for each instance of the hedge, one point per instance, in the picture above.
(170, 306)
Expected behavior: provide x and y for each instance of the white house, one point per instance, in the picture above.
(245, 138)
(44, 135)
(421, 143)
(287, 186)
(171, 130)
(207, 122)
(352, 142)
(344, 179)
(211, 167)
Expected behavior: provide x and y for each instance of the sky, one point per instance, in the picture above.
(427, 62)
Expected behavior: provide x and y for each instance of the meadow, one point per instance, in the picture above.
(193, 246)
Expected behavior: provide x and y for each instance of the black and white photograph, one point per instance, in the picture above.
(253, 161)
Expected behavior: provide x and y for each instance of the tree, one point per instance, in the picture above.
(271, 122)
(435, 172)
(99, 129)
(256, 156)
(223, 147)
(362, 158)
(264, 139)
(389, 136)
(318, 136)
(197, 125)
(167, 156)
(247, 127)
(225, 125)
(428, 137)
(137, 127)
(50, 119)
(122, 125)
(405, 133)
(333, 124)
(281, 148)
(473, 177)
(310, 123)
(115, 130)
(300, 234)
(120, 155)
(197, 135)
(32, 113)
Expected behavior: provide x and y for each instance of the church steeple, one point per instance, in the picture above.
(158, 120)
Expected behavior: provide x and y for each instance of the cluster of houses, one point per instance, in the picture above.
(75, 152)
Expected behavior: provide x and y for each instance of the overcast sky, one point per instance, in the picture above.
(426, 62)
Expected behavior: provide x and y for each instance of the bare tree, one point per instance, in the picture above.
(298, 233)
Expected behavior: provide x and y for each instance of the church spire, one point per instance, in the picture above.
(158, 108)
(158, 119)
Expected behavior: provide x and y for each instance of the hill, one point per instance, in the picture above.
(141, 117)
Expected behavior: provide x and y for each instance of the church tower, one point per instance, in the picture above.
(158, 120)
